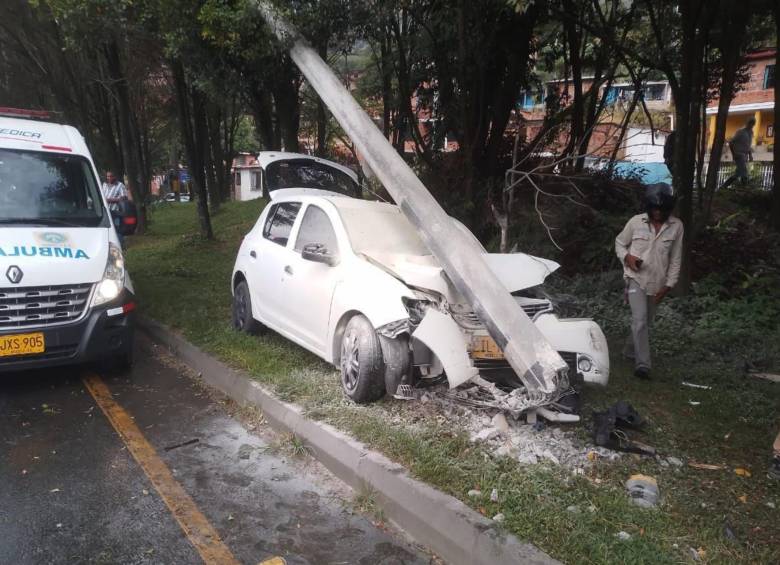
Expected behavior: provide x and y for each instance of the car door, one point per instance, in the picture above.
(311, 284)
(269, 254)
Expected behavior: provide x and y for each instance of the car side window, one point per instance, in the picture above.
(279, 222)
(316, 228)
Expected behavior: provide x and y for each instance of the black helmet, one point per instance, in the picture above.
(660, 195)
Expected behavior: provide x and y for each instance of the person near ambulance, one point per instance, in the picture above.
(115, 192)
(650, 250)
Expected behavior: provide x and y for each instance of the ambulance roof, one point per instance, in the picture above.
(33, 135)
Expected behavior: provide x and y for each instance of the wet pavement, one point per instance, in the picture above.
(72, 489)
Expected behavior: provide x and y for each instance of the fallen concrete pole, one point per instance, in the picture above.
(528, 352)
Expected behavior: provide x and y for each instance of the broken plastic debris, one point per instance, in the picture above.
(498, 517)
(623, 536)
(404, 392)
(694, 385)
(766, 376)
(742, 472)
(706, 466)
(643, 490)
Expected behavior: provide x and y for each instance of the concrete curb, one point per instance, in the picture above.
(436, 520)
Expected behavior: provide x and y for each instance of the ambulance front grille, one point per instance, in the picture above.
(42, 306)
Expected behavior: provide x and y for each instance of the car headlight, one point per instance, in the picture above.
(584, 364)
(113, 278)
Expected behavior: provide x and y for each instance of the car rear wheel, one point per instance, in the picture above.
(242, 311)
(361, 364)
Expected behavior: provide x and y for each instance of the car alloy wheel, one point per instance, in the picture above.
(350, 361)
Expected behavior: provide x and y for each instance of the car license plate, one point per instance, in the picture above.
(21, 344)
(485, 347)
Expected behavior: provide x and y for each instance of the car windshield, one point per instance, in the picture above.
(308, 173)
(48, 189)
(381, 230)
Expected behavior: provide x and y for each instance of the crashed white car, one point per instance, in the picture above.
(351, 281)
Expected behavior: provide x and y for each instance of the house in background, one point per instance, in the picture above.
(247, 175)
(757, 100)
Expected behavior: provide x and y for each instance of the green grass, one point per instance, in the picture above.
(183, 282)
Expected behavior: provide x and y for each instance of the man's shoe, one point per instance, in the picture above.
(642, 373)
(774, 468)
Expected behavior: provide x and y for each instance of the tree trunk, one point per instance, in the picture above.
(322, 116)
(189, 104)
(285, 91)
(127, 132)
(776, 150)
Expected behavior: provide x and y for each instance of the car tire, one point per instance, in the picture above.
(361, 363)
(242, 311)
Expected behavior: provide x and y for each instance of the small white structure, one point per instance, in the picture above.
(247, 177)
(640, 146)
(257, 176)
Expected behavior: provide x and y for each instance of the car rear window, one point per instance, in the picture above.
(308, 173)
(48, 189)
(279, 222)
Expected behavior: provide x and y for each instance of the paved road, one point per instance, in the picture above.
(147, 467)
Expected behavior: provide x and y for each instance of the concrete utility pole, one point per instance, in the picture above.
(526, 349)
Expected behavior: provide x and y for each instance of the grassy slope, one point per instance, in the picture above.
(184, 282)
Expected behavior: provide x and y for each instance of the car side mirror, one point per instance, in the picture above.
(319, 253)
(125, 218)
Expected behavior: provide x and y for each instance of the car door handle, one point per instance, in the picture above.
(253, 254)
(288, 270)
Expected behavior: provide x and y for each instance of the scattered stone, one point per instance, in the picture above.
(771, 505)
(499, 422)
(474, 493)
(623, 536)
(674, 461)
(547, 454)
(574, 509)
(494, 495)
(485, 434)
(527, 459)
(498, 517)
(245, 451)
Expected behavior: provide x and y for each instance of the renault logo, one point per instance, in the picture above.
(14, 274)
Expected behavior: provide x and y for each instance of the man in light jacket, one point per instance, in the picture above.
(650, 250)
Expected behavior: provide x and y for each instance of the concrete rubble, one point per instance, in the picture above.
(506, 436)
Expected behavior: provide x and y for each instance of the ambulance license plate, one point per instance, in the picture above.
(21, 344)
(485, 347)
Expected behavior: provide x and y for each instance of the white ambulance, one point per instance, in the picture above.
(65, 296)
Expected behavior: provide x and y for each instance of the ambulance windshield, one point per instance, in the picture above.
(53, 189)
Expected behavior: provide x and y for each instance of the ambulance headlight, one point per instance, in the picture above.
(113, 277)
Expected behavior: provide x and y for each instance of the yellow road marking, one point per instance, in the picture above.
(196, 527)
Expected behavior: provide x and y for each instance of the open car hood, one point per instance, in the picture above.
(517, 271)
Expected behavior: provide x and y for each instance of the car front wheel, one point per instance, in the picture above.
(242, 310)
(361, 364)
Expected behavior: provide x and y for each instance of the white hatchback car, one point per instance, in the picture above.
(351, 281)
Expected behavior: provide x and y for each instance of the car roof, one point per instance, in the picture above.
(35, 135)
(265, 158)
(339, 201)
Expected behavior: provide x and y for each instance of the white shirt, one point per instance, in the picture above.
(116, 190)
